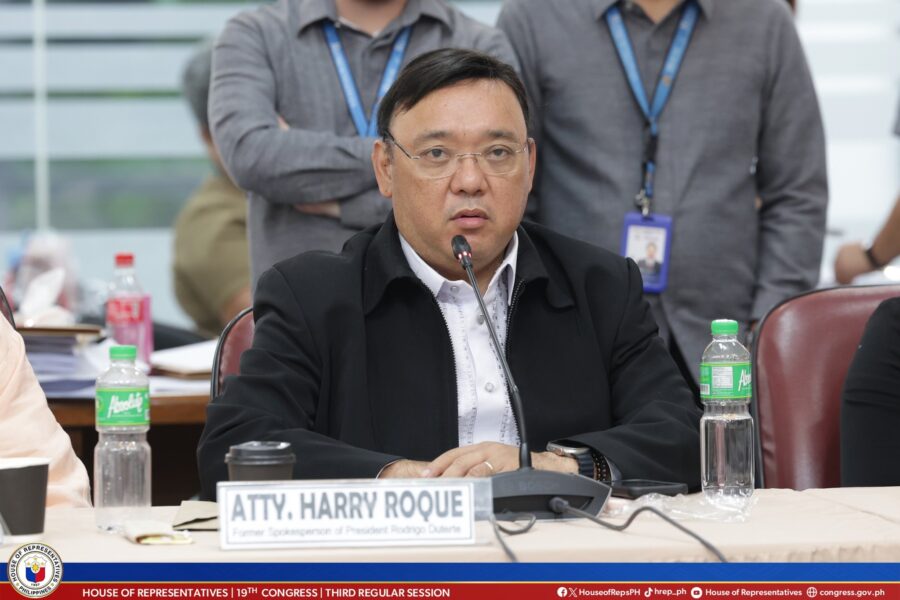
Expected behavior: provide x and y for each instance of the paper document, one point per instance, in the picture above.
(197, 515)
(186, 361)
(178, 386)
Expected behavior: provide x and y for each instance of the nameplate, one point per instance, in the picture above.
(398, 512)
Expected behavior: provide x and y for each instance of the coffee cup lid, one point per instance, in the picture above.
(23, 461)
(260, 453)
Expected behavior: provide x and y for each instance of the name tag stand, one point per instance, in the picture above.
(350, 513)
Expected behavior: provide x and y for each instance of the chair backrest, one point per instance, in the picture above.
(5, 309)
(236, 337)
(801, 355)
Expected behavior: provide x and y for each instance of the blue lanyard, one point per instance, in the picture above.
(365, 127)
(651, 111)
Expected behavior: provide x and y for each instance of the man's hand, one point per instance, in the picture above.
(548, 461)
(489, 458)
(403, 469)
(851, 261)
(332, 209)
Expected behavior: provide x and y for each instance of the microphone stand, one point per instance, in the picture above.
(528, 490)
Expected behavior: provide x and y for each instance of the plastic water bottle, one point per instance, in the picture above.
(128, 318)
(122, 455)
(726, 429)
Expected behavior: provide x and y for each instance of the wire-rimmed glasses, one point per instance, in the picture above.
(438, 161)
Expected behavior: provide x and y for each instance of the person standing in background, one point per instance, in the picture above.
(696, 119)
(211, 258)
(294, 88)
(854, 259)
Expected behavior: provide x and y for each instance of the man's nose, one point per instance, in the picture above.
(469, 177)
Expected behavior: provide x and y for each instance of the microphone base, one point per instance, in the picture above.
(530, 491)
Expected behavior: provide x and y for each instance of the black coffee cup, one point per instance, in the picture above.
(23, 495)
(260, 461)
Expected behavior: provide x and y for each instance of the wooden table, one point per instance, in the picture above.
(164, 410)
(176, 424)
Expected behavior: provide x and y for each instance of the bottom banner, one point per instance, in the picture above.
(458, 591)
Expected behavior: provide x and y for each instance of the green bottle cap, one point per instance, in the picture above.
(122, 353)
(724, 327)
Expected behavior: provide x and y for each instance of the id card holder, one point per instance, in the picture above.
(647, 241)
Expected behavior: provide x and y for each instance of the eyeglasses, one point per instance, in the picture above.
(437, 162)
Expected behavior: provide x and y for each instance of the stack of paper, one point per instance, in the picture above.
(65, 359)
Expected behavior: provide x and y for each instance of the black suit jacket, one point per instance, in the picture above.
(870, 406)
(352, 363)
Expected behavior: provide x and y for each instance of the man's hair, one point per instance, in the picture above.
(440, 69)
(195, 82)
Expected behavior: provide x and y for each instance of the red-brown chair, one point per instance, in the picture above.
(5, 309)
(236, 337)
(801, 355)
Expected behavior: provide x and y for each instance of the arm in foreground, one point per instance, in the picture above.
(656, 422)
(277, 397)
(29, 429)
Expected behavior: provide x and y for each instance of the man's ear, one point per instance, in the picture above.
(382, 163)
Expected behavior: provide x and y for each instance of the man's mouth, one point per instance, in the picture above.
(470, 218)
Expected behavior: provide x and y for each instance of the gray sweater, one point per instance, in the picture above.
(740, 161)
(273, 61)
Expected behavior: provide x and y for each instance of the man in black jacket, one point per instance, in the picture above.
(376, 362)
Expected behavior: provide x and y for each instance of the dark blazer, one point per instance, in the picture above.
(870, 406)
(352, 363)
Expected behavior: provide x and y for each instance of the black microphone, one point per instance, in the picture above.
(463, 253)
(528, 490)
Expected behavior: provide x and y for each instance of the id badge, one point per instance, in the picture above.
(647, 241)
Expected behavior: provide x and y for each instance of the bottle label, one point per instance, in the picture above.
(725, 381)
(123, 407)
(125, 310)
